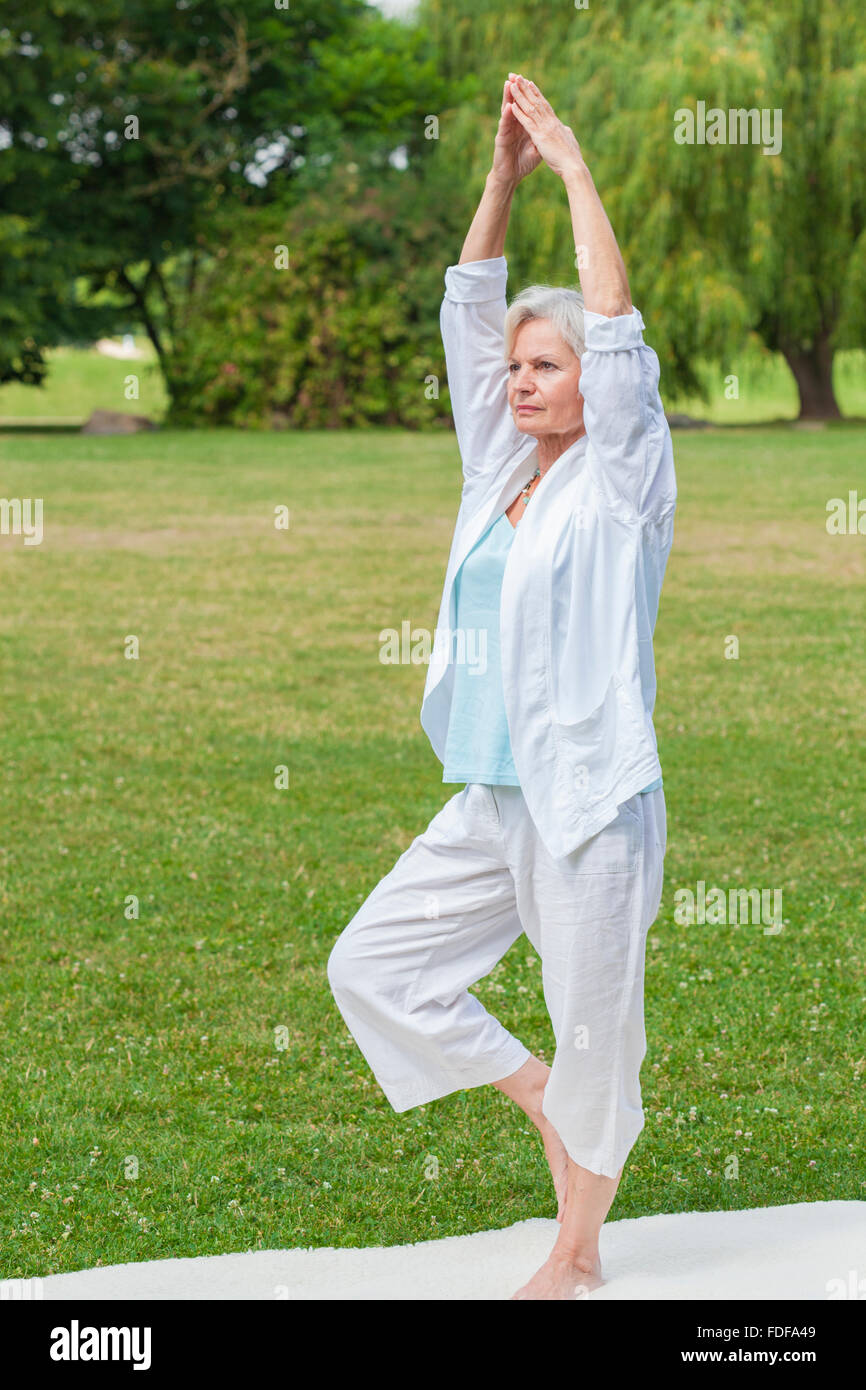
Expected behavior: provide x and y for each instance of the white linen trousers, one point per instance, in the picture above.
(454, 902)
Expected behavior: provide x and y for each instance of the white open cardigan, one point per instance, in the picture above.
(584, 573)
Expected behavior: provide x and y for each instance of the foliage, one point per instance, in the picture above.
(719, 239)
(131, 125)
(243, 107)
(346, 334)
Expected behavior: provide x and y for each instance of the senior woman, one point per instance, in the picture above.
(559, 831)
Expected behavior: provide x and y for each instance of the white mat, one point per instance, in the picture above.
(773, 1252)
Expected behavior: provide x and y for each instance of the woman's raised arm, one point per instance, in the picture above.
(472, 315)
(514, 156)
(486, 236)
(629, 452)
(603, 278)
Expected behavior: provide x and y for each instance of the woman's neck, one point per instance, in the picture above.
(551, 446)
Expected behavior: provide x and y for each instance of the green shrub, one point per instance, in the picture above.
(345, 336)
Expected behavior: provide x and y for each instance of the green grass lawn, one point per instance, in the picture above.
(82, 380)
(150, 1107)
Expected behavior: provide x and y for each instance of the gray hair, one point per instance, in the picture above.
(562, 308)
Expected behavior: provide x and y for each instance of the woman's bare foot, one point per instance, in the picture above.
(562, 1277)
(573, 1268)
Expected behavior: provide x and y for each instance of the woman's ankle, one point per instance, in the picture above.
(583, 1258)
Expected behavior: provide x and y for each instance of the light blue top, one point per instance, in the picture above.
(478, 747)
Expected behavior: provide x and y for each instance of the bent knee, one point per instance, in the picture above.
(346, 968)
(338, 963)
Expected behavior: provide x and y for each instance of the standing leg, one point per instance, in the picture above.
(573, 1267)
(588, 915)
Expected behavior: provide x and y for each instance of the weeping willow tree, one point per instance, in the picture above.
(724, 234)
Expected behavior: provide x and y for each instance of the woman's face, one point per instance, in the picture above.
(544, 381)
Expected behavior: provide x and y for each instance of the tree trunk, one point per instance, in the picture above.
(813, 373)
(139, 294)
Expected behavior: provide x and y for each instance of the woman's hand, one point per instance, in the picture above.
(514, 154)
(553, 140)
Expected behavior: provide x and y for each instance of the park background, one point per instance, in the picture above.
(179, 1081)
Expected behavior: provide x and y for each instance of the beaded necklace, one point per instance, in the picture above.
(525, 493)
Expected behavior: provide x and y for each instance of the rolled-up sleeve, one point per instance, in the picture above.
(629, 450)
(471, 321)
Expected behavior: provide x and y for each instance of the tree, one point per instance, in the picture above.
(37, 300)
(720, 239)
(131, 126)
